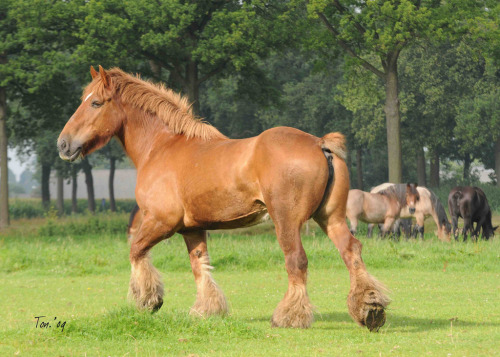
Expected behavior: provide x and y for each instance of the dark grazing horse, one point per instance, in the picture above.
(471, 204)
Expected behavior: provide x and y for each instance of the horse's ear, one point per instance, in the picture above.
(93, 72)
(104, 77)
(495, 228)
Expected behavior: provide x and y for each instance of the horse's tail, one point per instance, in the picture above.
(440, 211)
(334, 143)
(334, 148)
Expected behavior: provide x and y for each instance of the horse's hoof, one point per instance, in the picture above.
(157, 306)
(367, 307)
(375, 318)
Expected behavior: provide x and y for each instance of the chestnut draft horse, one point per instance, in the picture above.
(427, 205)
(191, 178)
(471, 204)
(381, 207)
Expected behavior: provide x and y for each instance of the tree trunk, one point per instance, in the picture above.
(349, 166)
(111, 184)
(467, 162)
(393, 120)
(89, 181)
(497, 161)
(60, 193)
(359, 168)
(192, 86)
(4, 167)
(45, 186)
(421, 176)
(74, 187)
(434, 170)
(156, 69)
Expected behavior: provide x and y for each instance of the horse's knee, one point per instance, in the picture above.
(297, 263)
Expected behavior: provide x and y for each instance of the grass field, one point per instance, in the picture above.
(446, 297)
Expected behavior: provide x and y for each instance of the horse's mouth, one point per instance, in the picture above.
(73, 156)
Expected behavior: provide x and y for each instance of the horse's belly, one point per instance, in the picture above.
(373, 217)
(240, 222)
(224, 208)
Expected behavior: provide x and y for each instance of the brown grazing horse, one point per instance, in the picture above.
(191, 178)
(381, 207)
(427, 205)
(471, 204)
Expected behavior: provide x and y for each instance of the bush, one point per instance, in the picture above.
(31, 208)
(101, 223)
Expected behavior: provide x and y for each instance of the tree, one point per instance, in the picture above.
(38, 76)
(113, 152)
(373, 34)
(192, 41)
(8, 45)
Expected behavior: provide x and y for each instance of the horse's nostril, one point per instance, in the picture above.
(63, 145)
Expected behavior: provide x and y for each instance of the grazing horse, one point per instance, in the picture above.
(428, 204)
(471, 204)
(191, 178)
(381, 207)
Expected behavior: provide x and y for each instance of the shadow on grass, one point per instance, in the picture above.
(394, 323)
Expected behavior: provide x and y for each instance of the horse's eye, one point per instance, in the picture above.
(96, 104)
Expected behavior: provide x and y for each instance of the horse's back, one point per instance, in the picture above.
(233, 180)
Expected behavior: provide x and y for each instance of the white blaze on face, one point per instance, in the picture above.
(88, 96)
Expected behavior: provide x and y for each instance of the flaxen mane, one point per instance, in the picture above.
(169, 106)
(397, 193)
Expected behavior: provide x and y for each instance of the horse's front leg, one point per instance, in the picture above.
(354, 224)
(419, 226)
(209, 298)
(387, 227)
(146, 287)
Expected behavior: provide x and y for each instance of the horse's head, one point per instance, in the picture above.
(412, 196)
(489, 231)
(98, 118)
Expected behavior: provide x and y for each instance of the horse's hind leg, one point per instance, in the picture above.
(366, 300)
(467, 227)
(146, 287)
(454, 226)
(295, 310)
(209, 298)
(369, 231)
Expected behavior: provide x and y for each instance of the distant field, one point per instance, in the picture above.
(446, 299)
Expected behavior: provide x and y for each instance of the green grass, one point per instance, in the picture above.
(446, 297)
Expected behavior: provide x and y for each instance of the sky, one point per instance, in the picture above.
(18, 165)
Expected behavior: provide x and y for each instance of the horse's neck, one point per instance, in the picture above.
(141, 133)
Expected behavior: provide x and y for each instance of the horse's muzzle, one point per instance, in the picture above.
(68, 151)
(412, 210)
